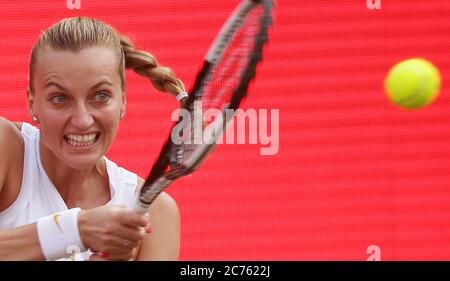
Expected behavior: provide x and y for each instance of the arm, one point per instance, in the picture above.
(103, 228)
(163, 243)
(19, 243)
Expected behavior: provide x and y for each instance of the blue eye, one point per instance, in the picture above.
(59, 99)
(102, 97)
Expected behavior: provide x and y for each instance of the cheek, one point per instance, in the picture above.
(108, 118)
(51, 128)
(52, 121)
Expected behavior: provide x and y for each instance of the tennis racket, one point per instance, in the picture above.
(220, 85)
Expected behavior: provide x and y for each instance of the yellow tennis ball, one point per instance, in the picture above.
(413, 83)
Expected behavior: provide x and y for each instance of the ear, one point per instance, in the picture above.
(30, 98)
(124, 103)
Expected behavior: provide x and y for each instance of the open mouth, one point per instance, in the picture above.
(81, 140)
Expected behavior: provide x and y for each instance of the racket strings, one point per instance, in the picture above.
(227, 73)
(217, 89)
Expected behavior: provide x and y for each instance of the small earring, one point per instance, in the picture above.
(122, 115)
(35, 119)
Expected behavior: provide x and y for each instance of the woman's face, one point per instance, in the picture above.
(78, 100)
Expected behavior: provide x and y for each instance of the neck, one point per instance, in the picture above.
(84, 188)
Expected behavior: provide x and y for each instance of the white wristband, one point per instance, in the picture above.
(58, 234)
(182, 95)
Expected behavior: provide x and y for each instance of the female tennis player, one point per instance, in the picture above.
(60, 197)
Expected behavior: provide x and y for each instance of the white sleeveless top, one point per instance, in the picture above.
(39, 197)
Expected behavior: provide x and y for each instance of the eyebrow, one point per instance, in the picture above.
(52, 83)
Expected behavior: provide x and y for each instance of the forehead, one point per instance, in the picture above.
(77, 68)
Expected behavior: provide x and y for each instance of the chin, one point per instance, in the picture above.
(82, 162)
(82, 165)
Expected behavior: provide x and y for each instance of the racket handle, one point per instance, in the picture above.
(149, 193)
(138, 206)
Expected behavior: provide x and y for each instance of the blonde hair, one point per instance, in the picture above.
(76, 33)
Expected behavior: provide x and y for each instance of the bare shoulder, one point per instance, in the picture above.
(5, 122)
(11, 161)
(18, 125)
(11, 142)
(164, 205)
(10, 129)
(163, 243)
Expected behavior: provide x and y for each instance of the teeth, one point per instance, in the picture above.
(80, 140)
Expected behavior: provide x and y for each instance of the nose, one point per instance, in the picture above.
(82, 118)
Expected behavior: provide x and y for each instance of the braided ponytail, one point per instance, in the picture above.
(145, 64)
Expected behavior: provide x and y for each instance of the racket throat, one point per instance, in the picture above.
(148, 194)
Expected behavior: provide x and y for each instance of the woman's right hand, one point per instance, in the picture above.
(114, 230)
